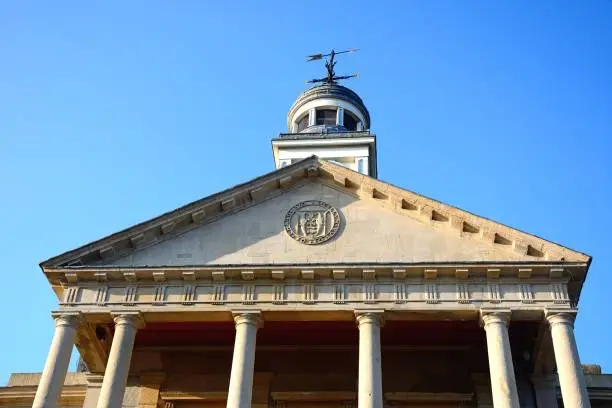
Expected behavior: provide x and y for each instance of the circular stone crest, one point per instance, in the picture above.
(312, 222)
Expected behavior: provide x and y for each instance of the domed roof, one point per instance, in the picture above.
(329, 91)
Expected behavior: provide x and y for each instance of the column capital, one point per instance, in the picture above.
(125, 318)
(251, 317)
(563, 316)
(376, 317)
(71, 319)
(493, 316)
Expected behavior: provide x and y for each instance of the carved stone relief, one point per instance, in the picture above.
(312, 222)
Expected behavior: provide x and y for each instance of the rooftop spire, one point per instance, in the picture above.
(330, 64)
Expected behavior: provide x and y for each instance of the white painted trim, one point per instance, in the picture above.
(321, 142)
(323, 152)
(340, 116)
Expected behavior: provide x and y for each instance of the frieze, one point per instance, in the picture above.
(559, 293)
(218, 297)
(463, 293)
(431, 293)
(309, 294)
(369, 293)
(129, 298)
(248, 294)
(279, 294)
(160, 295)
(399, 292)
(347, 293)
(189, 294)
(494, 292)
(339, 294)
(525, 293)
(71, 295)
(101, 295)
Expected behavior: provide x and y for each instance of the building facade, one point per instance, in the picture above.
(314, 286)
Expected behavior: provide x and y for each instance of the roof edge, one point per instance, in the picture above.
(295, 167)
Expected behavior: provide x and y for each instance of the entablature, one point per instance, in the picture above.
(528, 288)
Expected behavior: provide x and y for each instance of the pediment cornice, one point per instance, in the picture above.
(309, 272)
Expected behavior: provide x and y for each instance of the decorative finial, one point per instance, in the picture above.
(331, 77)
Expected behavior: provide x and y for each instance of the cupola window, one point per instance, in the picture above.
(302, 123)
(350, 121)
(326, 117)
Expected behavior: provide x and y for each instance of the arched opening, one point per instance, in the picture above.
(302, 123)
(350, 121)
(326, 117)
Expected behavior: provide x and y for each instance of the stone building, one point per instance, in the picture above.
(313, 286)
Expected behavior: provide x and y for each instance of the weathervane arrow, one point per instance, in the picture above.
(329, 65)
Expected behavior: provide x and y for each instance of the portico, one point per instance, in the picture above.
(319, 286)
(330, 344)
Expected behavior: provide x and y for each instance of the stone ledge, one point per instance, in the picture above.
(468, 270)
(32, 379)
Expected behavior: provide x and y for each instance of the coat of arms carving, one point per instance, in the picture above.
(312, 222)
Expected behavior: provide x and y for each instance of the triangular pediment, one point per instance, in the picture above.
(367, 233)
(379, 223)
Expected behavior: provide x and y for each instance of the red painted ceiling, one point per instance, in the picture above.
(434, 333)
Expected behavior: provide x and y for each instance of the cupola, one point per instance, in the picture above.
(330, 121)
(328, 108)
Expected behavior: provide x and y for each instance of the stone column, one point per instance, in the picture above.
(118, 365)
(501, 368)
(569, 370)
(370, 393)
(58, 359)
(243, 362)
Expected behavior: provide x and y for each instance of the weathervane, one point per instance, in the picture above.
(331, 77)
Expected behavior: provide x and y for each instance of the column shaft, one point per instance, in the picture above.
(58, 359)
(370, 393)
(503, 382)
(118, 365)
(569, 369)
(243, 362)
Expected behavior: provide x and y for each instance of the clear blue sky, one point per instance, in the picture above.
(114, 112)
